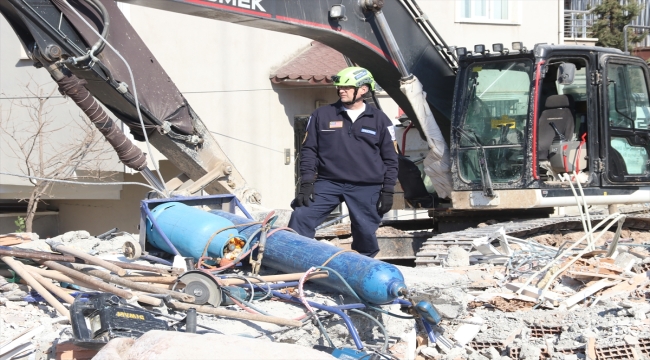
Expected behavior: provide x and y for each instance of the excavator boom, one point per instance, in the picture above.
(125, 76)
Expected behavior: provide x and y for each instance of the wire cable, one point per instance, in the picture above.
(269, 291)
(135, 91)
(383, 329)
(80, 182)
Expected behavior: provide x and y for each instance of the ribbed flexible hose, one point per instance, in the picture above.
(130, 155)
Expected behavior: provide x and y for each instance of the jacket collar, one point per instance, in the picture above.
(340, 108)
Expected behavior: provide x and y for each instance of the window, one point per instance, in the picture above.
(629, 123)
(482, 10)
(496, 98)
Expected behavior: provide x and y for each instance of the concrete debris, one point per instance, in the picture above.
(457, 257)
(157, 344)
(530, 352)
(532, 305)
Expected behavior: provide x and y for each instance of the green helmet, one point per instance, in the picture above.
(354, 76)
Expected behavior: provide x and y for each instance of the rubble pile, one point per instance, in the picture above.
(552, 296)
(533, 299)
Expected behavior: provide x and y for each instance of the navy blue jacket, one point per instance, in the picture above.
(337, 149)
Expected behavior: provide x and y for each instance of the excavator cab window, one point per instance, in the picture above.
(562, 119)
(496, 99)
(628, 122)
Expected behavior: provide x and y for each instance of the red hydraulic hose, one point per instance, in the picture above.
(582, 142)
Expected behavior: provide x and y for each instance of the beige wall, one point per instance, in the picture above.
(533, 22)
(223, 70)
(99, 216)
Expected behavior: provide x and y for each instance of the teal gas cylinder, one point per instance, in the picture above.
(189, 230)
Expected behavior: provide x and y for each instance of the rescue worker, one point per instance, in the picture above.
(347, 155)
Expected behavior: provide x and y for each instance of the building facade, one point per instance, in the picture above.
(225, 72)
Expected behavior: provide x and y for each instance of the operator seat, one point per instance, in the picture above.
(617, 166)
(557, 111)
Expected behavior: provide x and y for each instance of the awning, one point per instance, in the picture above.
(314, 66)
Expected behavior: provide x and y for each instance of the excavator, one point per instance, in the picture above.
(509, 128)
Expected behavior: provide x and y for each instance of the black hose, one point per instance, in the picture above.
(100, 44)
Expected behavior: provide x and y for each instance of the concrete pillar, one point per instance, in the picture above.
(612, 208)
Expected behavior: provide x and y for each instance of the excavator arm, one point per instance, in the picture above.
(90, 40)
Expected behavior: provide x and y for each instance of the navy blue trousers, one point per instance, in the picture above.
(361, 201)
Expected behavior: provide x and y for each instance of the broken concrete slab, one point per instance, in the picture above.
(158, 344)
(457, 257)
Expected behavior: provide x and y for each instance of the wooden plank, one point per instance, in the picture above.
(589, 274)
(591, 348)
(588, 291)
(625, 287)
(9, 240)
(533, 291)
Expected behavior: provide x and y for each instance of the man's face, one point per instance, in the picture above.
(346, 93)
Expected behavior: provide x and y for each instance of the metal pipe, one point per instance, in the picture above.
(274, 278)
(384, 28)
(54, 275)
(23, 273)
(152, 279)
(86, 257)
(153, 180)
(33, 254)
(631, 26)
(156, 259)
(149, 300)
(106, 276)
(100, 285)
(147, 268)
(47, 284)
(346, 319)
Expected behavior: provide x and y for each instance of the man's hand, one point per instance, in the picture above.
(385, 202)
(305, 195)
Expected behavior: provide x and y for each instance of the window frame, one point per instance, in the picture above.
(463, 120)
(610, 131)
(513, 17)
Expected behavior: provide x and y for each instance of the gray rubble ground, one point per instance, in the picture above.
(611, 321)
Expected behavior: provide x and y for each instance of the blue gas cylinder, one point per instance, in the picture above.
(374, 281)
(189, 230)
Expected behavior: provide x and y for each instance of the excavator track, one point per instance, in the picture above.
(434, 250)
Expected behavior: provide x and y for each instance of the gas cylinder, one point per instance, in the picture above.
(189, 229)
(374, 281)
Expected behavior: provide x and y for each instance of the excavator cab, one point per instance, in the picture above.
(527, 122)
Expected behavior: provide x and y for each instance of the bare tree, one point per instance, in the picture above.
(51, 147)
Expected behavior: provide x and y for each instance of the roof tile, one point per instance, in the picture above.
(316, 64)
